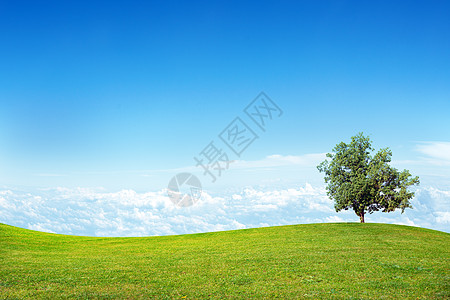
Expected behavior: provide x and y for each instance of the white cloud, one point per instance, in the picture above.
(97, 212)
(334, 219)
(40, 227)
(443, 217)
(436, 152)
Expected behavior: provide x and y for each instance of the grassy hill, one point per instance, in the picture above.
(347, 260)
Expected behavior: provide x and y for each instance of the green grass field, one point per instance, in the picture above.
(331, 261)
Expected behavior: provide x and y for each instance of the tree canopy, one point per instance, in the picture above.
(365, 183)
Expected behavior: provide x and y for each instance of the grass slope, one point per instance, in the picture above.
(347, 260)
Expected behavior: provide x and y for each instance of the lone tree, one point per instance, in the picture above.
(365, 183)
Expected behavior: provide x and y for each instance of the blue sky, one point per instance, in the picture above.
(121, 95)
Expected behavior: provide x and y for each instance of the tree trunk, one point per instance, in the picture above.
(361, 217)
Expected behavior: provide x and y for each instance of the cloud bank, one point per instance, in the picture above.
(95, 212)
(437, 152)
